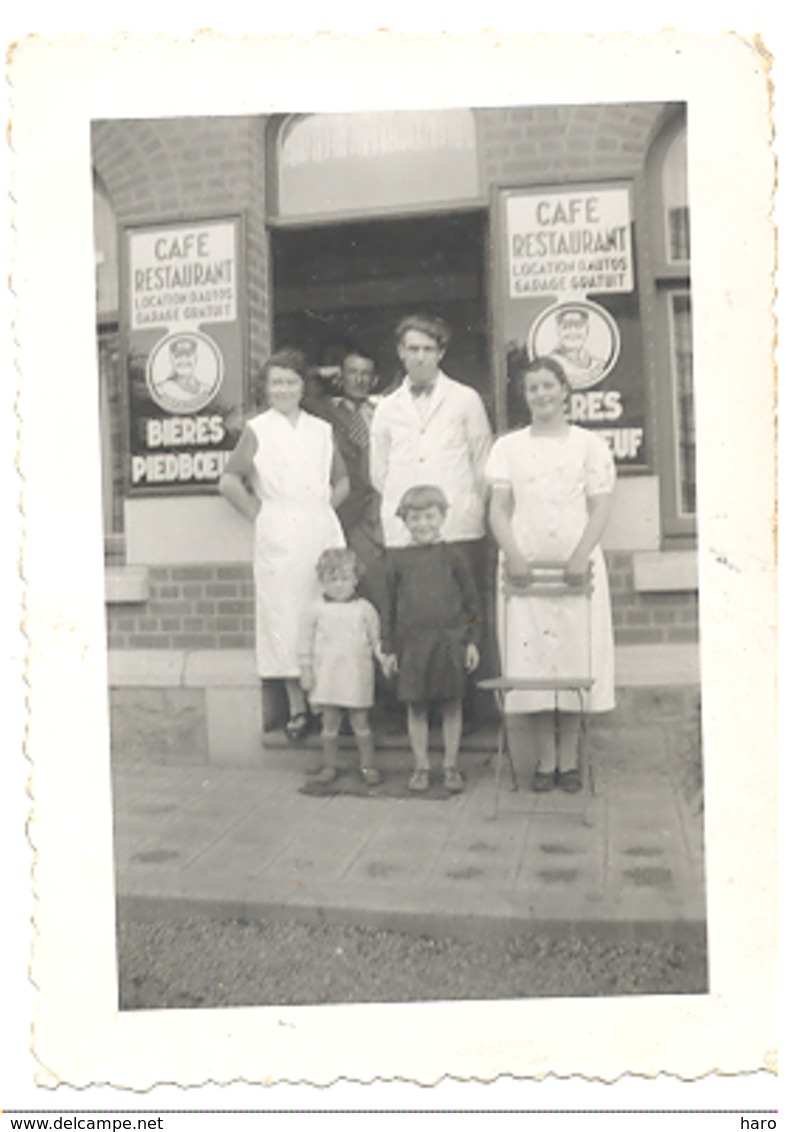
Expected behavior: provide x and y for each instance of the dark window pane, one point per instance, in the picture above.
(682, 364)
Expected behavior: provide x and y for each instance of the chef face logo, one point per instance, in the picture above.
(582, 337)
(184, 372)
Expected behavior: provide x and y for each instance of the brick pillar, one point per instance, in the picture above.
(173, 168)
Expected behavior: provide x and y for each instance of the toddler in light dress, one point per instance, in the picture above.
(338, 641)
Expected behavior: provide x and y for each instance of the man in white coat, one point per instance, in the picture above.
(432, 430)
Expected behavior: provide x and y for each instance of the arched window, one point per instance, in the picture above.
(676, 211)
(105, 254)
(667, 173)
(109, 377)
(362, 164)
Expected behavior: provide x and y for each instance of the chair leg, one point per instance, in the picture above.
(503, 752)
(514, 782)
(585, 753)
(499, 754)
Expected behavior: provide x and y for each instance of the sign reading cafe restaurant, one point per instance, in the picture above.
(184, 361)
(561, 246)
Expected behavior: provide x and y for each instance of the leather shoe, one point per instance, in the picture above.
(570, 781)
(543, 781)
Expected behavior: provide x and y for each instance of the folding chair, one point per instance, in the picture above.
(548, 580)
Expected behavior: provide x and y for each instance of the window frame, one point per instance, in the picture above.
(669, 278)
(278, 126)
(113, 450)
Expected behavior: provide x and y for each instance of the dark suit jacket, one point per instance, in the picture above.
(362, 504)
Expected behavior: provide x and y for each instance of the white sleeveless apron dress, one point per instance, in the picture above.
(295, 524)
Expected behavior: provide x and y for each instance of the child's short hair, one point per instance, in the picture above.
(336, 560)
(421, 496)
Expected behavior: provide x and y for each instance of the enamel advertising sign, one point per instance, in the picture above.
(185, 353)
(569, 293)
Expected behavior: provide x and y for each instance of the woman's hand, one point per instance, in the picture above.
(472, 659)
(577, 569)
(389, 665)
(517, 569)
(234, 488)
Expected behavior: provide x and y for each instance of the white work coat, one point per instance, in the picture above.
(446, 445)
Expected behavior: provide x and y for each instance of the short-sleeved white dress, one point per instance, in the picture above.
(551, 478)
(340, 640)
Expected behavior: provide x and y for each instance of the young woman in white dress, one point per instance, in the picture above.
(287, 477)
(551, 496)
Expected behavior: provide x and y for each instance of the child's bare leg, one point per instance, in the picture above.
(417, 725)
(331, 721)
(358, 717)
(361, 727)
(451, 735)
(451, 731)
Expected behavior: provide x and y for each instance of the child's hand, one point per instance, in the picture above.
(307, 677)
(472, 658)
(389, 665)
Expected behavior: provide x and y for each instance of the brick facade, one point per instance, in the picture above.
(531, 144)
(164, 169)
(649, 618)
(212, 607)
(190, 607)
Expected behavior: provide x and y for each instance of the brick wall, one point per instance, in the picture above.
(166, 168)
(535, 143)
(190, 607)
(649, 618)
(212, 607)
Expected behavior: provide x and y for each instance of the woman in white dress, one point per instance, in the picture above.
(551, 491)
(287, 477)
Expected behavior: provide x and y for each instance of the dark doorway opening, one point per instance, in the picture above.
(347, 285)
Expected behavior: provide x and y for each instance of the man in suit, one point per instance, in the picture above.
(351, 415)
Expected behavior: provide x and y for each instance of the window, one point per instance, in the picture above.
(667, 175)
(378, 162)
(682, 369)
(109, 377)
(675, 198)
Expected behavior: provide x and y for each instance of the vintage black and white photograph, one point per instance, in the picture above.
(397, 557)
(400, 505)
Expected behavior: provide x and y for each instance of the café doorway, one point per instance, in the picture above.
(346, 285)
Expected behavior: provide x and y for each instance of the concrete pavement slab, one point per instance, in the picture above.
(245, 842)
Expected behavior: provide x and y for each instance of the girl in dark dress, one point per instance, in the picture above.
(430, 629)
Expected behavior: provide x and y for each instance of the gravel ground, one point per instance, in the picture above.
(204, 963)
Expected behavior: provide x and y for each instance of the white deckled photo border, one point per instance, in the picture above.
(724, 81)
